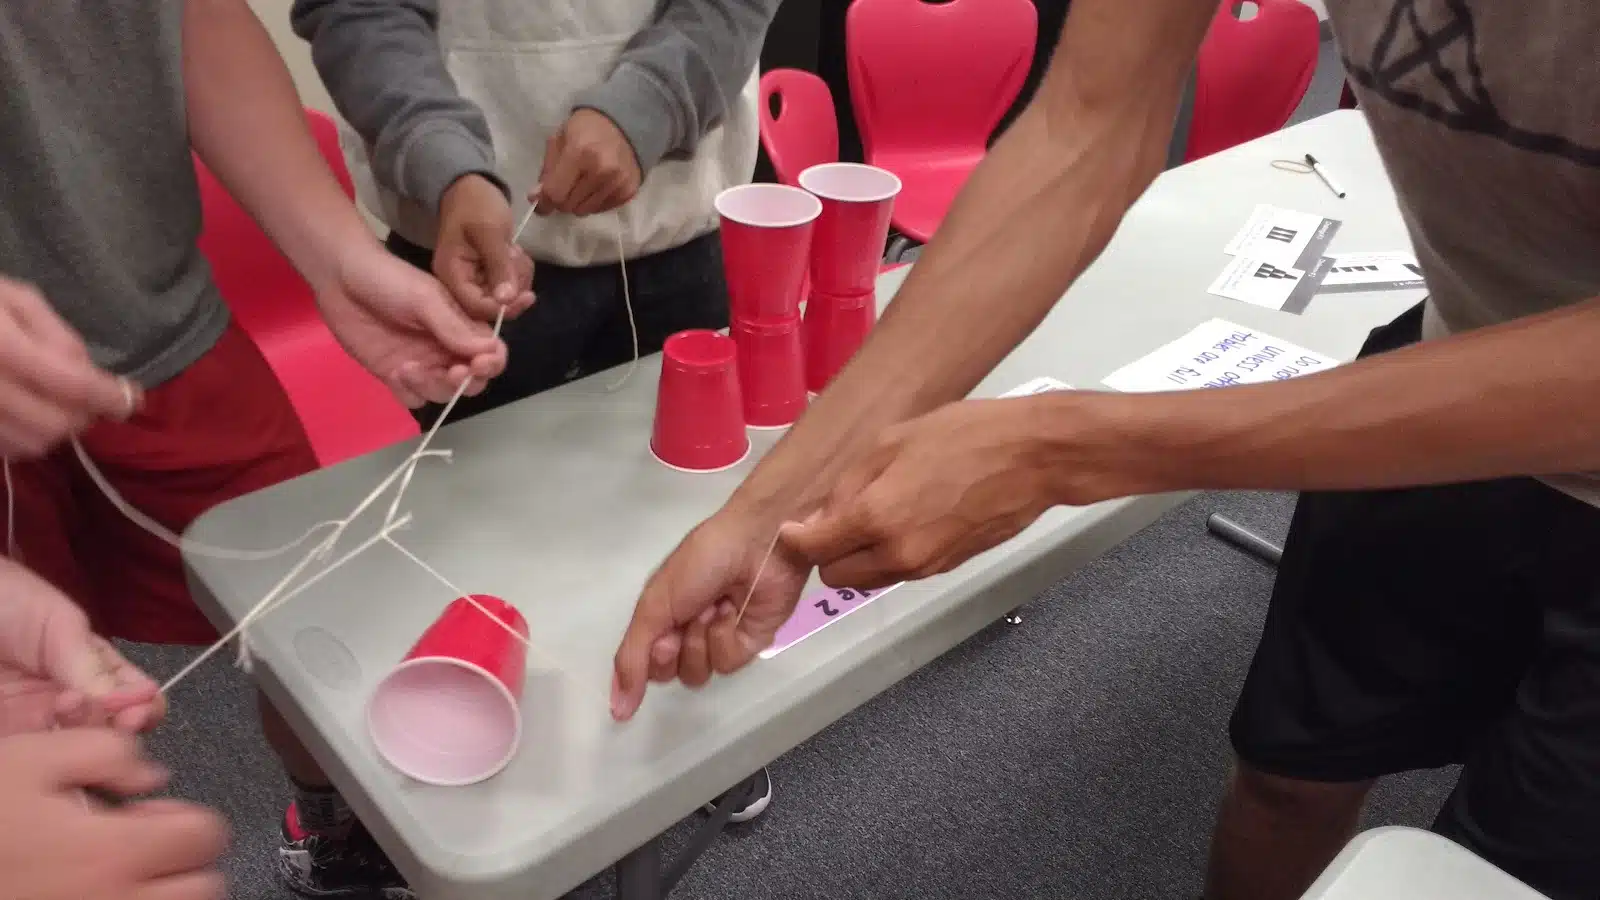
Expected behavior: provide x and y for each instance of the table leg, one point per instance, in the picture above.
(1245, 539)
(639, 873)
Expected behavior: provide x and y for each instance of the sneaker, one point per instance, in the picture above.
(313, 865)
(755, 802)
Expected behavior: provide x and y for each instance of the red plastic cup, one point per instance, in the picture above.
(772, 372)
(449, 714)
(699, 416)
(847, 245)
(766, 245)
(835, 328)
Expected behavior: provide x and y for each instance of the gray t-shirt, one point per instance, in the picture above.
(1487, 115)
(99, 206)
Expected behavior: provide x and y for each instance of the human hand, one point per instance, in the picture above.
(403, 327)
(589, 167)
(55, 671)
(687, 623)
(49, 388)
(936, 491)
(61, 845)
(474, 256)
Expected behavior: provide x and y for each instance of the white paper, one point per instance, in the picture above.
(1042, 385)
(1275, 235)
(1257, 281)
(1370, 268)
(1217, 354)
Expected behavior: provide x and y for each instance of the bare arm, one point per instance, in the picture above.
(1522, 398)
(247, 124)
(1033, 216)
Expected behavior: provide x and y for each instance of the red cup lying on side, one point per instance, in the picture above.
(766, 246)
(835, 328)
(699, 423)
(848, 241)
(772, 372)
(450, 713)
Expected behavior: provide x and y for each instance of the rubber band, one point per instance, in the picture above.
(1292, 165)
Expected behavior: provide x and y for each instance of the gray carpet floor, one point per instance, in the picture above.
(1078, 754)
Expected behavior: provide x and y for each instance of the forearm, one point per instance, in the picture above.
(1033, 216)
(382, 64)
(247, 124)
(677, 76)
(1522, 398)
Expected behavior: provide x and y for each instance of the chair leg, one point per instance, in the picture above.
(899, 246)
(1254, 544)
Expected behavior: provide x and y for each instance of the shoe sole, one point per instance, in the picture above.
(755, 808)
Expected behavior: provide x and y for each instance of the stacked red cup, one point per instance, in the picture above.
(846, 252)
(766, 245)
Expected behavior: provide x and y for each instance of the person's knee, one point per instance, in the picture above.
(1295, 799)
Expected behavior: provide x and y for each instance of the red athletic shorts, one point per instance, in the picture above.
(221, 429)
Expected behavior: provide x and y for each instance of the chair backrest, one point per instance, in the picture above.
(263, 290)
(1252, 73)
(278, 310)
(799, 128)
(934, 79)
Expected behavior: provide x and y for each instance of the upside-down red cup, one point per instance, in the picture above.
(772, 372)
(450, 713)
(847, 243)
(766, 247)
(699, 415)
(835, 328)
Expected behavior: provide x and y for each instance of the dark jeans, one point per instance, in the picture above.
(578, 324)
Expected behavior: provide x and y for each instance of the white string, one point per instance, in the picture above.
(757, 579)
(11, 513)
(280, 593)
(627, 295)
(271, 601)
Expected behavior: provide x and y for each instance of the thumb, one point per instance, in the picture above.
(652, 620)
(449, 325)
(828, 534)
(499, 269)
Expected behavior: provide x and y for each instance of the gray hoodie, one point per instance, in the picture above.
(435, 91)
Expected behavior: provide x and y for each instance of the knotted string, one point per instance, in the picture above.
(281, 592)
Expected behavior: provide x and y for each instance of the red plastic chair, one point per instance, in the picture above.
(345, 410)
(929, 83)
(799, 125)
(1252, 74)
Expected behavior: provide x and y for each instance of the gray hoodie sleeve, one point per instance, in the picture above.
(675, 79)
(381, 62)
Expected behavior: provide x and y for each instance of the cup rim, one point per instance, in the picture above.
(501, 689)
(822, 168)
(748, 446)
(771, 328)
(721, 202)
(723, 341)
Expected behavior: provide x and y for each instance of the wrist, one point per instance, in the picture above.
(1094, 445)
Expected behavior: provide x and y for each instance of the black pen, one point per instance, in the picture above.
(1322, 173)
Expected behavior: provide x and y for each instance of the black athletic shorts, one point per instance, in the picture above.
(1428, 626)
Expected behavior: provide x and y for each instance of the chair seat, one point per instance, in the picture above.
(346, 412)
(929, 184)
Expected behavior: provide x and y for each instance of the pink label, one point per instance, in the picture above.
(818, 610)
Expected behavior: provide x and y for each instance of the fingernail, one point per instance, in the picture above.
(707, 614)
(727, 609)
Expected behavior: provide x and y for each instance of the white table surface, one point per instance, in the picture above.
(555, 504)
(1409, 864)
